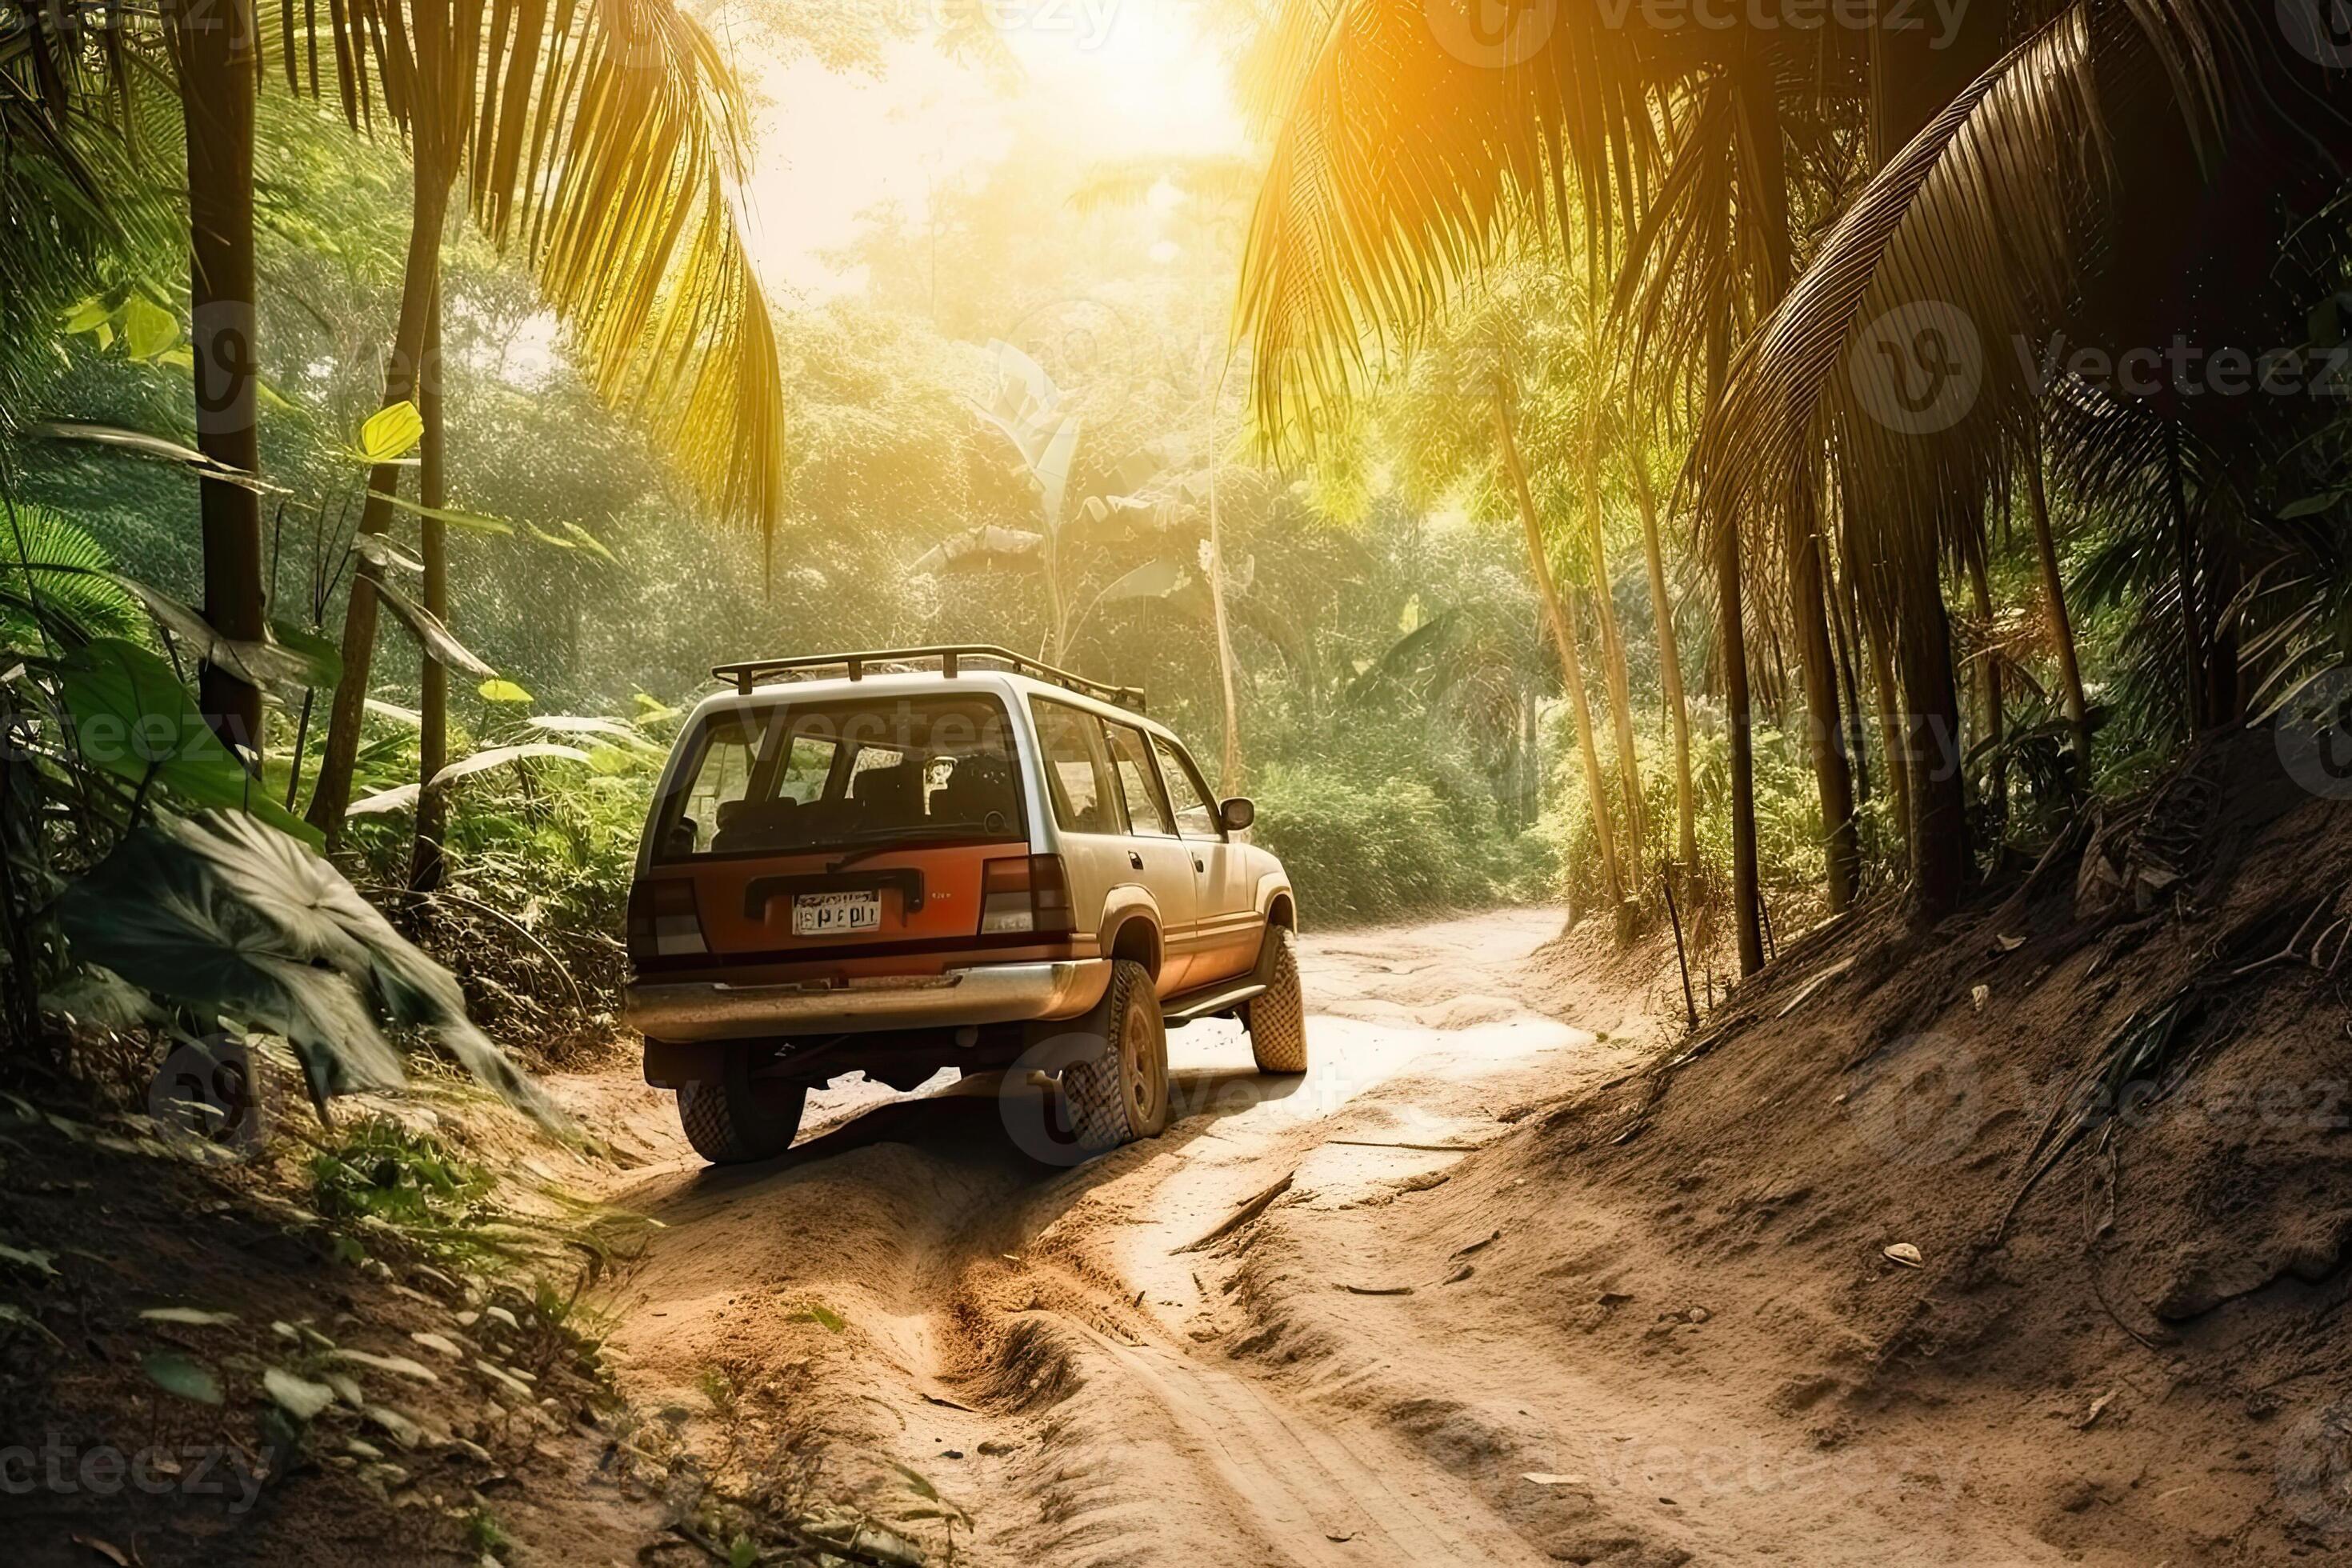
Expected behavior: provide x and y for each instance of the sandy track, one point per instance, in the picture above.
(1058, 1352)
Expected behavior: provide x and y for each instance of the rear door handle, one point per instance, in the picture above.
(1135, 858)
(1198, 864)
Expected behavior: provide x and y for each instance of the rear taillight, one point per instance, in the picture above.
(664, 921)
(1027, 894)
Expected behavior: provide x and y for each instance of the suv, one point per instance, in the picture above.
(945, 857)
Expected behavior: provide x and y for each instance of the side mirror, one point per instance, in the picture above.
(1237, 814)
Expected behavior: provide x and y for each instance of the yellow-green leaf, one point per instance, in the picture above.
(502, 691)
(148, 329)
(390, 434)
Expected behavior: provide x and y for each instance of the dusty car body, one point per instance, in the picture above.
(897, 861)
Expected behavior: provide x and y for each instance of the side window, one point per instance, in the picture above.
(1075, 775)
(721, 779)
(806, 765)
(1194, 818)
(1138, 783)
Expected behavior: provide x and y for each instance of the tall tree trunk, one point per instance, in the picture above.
(1817, 661)
(1614, 680)
(1857, 740)
(420, 284)
(425, 869)
(1670, 672)
(1989, 689)
(1941, 862)
(1891, 738)
(1731, 650)
(1231, 781)
(2053, 593)
(1731, 635)
(1763, 166)
(219, 71)
(1559, 615)
(2184, 550)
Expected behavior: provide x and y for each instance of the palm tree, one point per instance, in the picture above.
(1944, 177)
(602, 143)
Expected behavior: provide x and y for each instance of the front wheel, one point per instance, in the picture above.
(1276, 1016)
(1119, 1092)
(741, 1118)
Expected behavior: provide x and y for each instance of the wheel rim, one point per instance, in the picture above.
(1135, 1053)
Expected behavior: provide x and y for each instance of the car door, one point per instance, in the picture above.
(1162, 861)
(1226, 922)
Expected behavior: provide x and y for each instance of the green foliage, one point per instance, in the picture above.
(81, 592)
(380, 1171)
(1359, 852)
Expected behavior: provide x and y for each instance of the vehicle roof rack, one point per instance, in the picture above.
(951, 658)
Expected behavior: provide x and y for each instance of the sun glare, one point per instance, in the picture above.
(1125, 80)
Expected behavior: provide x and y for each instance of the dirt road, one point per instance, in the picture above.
(1275, 1335)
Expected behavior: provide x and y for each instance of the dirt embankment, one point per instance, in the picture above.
(2018, 1242)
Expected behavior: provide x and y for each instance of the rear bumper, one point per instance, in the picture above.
(989, 994)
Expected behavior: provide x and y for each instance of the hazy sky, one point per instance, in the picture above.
(1133, 76)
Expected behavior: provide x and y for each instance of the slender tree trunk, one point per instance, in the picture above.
(1560, 616)
(419, 286)
(1890, 737)
(2053, 591)
(1817, 661)
(1731, 649)
(1940, 863)
(1231, 783)
(1615, 682)
(1857, 740)
(1731, 635)
(433, 735)
(2184, 549)
(1670, 671)
(1989, 689)
(218, 68)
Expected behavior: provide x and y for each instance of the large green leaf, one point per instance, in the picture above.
(438, 640)
(499, 756)
(472, 521)
(133, 718)
(222, 911)
(138, 443)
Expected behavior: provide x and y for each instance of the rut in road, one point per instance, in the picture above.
(1047, 1347)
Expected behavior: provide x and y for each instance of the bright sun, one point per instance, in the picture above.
(1127, 78)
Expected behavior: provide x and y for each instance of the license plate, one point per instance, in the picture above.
(830, 914)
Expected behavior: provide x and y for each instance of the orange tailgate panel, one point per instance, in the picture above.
(950, 889)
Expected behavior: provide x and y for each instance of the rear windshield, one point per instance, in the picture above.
(795, 777)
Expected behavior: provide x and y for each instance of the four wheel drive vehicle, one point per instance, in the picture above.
(943, 858)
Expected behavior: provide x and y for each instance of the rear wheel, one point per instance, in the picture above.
(741, 1118)
(1277, 1017)
(1120, 1092)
